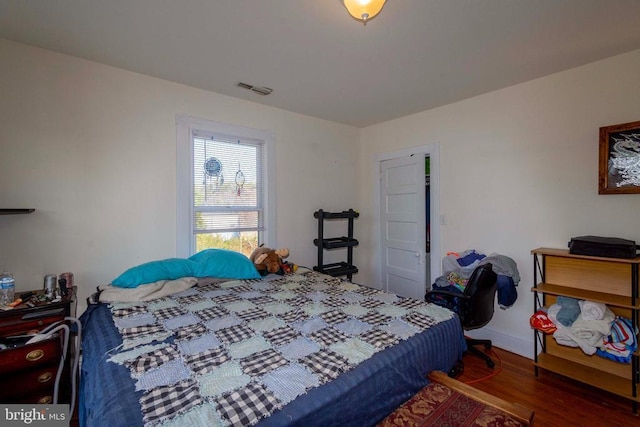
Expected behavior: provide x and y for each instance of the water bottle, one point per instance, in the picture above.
(7, 288)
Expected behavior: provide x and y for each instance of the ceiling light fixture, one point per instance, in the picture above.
(363, 10)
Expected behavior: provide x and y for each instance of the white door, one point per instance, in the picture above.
(403, 235)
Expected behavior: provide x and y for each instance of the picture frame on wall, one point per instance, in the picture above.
(619, 159)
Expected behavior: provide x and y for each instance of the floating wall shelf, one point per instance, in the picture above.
(15, 211)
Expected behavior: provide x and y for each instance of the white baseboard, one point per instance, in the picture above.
(506, 342)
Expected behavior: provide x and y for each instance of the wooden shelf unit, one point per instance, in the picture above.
(611, 281)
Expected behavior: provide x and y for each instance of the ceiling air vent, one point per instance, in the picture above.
(257, 89)
(262, 90)
(244, 85)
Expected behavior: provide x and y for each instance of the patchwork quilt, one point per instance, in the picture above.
(232, 352)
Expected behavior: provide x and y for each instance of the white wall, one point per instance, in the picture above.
(519, 170)
(93, 149)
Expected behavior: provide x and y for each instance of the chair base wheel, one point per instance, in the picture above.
(487, 346)
(457, 369)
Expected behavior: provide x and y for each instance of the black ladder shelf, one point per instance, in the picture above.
(338, 268)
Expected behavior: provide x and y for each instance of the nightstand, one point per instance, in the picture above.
(28, 372)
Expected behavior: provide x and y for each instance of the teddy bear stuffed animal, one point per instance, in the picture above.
(268, 260)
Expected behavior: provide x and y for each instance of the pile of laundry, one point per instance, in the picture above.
(457, 268)
(589, 325)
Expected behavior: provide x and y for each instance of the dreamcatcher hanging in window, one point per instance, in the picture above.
(239, 181)
(213, 177)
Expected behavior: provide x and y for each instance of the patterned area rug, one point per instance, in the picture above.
(437, 405)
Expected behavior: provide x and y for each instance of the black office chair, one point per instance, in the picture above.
(474, 307)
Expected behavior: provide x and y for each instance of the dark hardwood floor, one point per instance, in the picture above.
(556, 400)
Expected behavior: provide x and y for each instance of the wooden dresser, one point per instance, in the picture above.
(28, 372)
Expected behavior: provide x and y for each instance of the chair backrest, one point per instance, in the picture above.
(481, 293)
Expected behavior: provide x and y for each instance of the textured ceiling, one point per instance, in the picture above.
(415, 55)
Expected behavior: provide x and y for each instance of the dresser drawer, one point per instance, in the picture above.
(16, 325)
(41, 397)
(40, 380)
(28, 357)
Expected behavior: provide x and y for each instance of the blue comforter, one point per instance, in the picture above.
(113, 393)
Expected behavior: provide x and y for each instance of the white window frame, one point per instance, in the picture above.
(185, 238)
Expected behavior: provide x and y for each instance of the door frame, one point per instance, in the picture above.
(433, 151)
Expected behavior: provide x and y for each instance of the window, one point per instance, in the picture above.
(223, 187)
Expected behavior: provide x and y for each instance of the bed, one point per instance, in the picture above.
(298, 349)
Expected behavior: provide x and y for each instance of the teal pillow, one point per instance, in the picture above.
(224, 264)
(166, 269)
